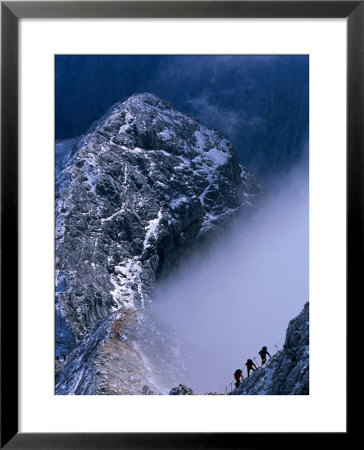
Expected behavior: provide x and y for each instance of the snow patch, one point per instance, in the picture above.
(151, 229)
(166, 134)
(217, 157)
(176, 202)
(200, 139)
(126, 282)
(128, 121)
(107, 219)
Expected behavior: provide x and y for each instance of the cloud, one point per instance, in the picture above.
(225, 120)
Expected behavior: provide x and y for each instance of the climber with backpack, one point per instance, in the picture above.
(263, 354)
(249, 365)
(237, 375)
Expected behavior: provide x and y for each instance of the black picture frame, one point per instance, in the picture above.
(11, 12)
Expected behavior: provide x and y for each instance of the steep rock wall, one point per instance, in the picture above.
(286, 373)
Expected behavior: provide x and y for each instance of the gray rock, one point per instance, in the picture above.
(181, 390)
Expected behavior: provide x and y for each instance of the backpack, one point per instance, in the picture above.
(238, 372)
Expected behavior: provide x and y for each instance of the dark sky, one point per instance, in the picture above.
(260, 103)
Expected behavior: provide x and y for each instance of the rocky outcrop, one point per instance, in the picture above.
(146, 184)
(287, 372)
(181, 390)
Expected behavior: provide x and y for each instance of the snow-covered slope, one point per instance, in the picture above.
(142, 187)
(287, 372)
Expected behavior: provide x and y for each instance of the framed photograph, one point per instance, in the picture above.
(181, 191)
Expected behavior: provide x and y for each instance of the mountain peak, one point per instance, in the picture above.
(145, 97)
(141, 188)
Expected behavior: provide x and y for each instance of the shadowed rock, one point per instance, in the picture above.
(287, 372)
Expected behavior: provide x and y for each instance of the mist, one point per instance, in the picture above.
(238, 295)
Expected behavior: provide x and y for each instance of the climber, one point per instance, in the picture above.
(263, 354)
(237, 375)
(249, 364)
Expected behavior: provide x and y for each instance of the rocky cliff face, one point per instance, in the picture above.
(287, 372)
(146, 184)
